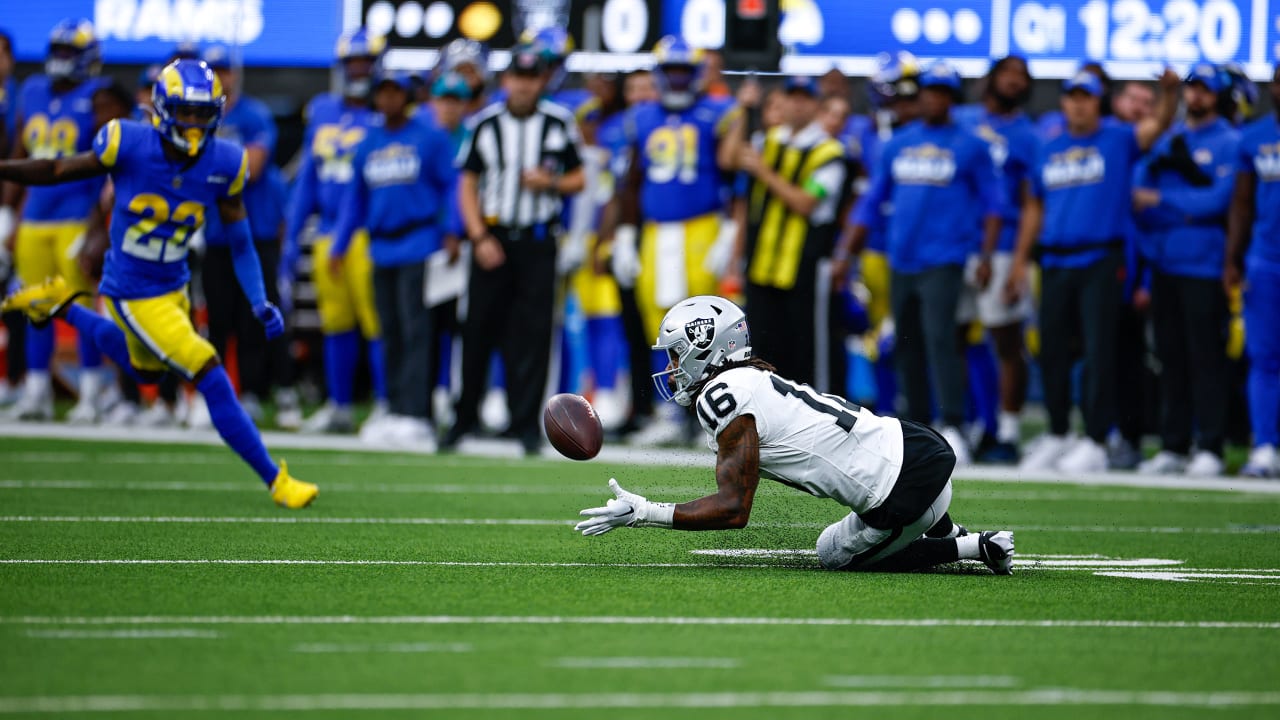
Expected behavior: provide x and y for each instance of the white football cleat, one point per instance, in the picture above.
(412, 432)
(252, 407)
(329, 419)
(198, 417)
(122, 414)
(1085, 456)
(995, 548)
(442, 406)
(495, 416)
(8, 393)
(1163, 463)
(1205, 464)
(611, 407)
(36, 400)
(1262, 463)
(1043, 454)
(157, 416)
(958, 444)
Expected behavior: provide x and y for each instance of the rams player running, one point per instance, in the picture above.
(893, 475)
(167, 179)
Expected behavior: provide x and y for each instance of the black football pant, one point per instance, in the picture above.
(261, 363)
(406, 338)
(511, 308)
(1191, 320)
(924, 313)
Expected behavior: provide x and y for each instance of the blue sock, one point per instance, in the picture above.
(341, 351)
(378, 369)
(234, 425)
(497, 372)
(1264, 403)
(984, 385)
(104, 334)
(39, 347)
(605, 349)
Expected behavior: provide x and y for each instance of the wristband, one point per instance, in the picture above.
(652, 514)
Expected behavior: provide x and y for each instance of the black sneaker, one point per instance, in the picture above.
(996, 550)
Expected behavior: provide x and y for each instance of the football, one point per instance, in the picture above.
(573, 427)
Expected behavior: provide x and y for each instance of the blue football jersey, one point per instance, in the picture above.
(334, 130)
(159, 204)
(1260, 154)
(58, 125)
(677, 154)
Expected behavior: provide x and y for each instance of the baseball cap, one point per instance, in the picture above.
(801, 83)
(1082, 80)
(451, 84)
(527, 59)
(1208, 75)
(941, 74)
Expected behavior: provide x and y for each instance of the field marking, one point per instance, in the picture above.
(277, 520)
(921, 681)
(1200, 576)
(124, 634)
(644, 663)
(147, 620)
(410, 563)
(565, 701)
(421, 647)
(612, 455)
(250, 486)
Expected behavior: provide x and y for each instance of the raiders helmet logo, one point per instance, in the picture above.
(701, 332)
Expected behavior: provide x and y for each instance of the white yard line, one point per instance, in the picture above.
(124, 634)
(565, 701)
(356, 563)
(611, 456)
(921, 681)
(370, 648)
(644, 663)
(148, 620)
(250, 486)
(277, 520)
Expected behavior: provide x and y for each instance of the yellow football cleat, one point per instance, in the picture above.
(41, 303)
(290, 492)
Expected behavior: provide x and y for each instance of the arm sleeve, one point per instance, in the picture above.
(106, 144)
(355, 207)
(240, 177)
(245, 260)
(299, 207)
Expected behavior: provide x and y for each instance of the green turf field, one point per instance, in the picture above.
(456, 587)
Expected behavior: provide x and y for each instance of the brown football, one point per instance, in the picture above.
(573, 427)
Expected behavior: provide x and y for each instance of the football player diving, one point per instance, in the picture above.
(893, 475)
(167, 178)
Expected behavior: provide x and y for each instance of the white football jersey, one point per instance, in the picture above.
(821, 444)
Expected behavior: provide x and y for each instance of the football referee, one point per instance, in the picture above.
(523, 157)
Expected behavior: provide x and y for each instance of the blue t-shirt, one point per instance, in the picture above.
(399, 192)
(1084, 183)
(862, 137)
(1012, 142)
(1260, 154)
(1186, 234)
(941, 184)
(249, 122)
(677, 154)
(57, 125)
(159, 204)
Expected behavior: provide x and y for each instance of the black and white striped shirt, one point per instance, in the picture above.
(503, 146)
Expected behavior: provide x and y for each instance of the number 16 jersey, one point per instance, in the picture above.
(159, 204)
(821, 444)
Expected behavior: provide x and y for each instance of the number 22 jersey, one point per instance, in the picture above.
(820, 444)
(159, 204)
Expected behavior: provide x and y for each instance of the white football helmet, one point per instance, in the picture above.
(698, 335)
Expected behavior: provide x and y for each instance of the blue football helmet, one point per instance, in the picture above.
(679, 73)
(463, 52)
(554, 45)
(1240, 101)
(896, 77)
(189, 88)
(942, 74)
(74, 53)
(355, 45)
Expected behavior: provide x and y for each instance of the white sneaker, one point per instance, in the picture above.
(198, 417)
(495, 416)
(412, 432)
(288, 410)
(36, 401)
(611, 408)
(122, 414)
(1163, 463)
(89, 387)
(8, 393)
(1043, 453)
(157, 416)
(1086, 456)
(958, 444)
(252, 407)
(375, 430)
(329, 419)
(1262, 463)
(442, 406)
(1205, 464)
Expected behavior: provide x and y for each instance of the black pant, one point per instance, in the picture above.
(1131, 373)
(924, 313)
(261, 363)
(639, 355)
(1190, 318)
(406, 338)
(796, 328)
(444, 327)
(1081, 303)
(510, 307)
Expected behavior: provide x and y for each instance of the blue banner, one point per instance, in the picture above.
(269, 32)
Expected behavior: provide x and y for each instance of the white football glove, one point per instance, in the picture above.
(626, 256)
(627, 509)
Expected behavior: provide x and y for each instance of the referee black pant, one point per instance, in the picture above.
(1191, 321)
(511, 308)
(261, 363)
